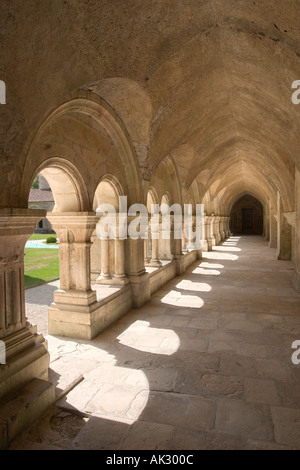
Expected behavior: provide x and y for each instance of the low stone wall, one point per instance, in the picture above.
(87, 326)
(189, 258)
(161, 276)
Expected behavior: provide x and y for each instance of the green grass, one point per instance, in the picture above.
(41, 236)
(41, 265)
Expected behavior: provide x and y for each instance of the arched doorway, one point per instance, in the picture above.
(247, 216)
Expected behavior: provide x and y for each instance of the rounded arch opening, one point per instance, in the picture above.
(66, 184)
(108, 191)
(246, 216)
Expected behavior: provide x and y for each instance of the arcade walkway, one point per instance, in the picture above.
(205, 365)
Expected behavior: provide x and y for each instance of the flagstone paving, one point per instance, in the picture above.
(206, 364)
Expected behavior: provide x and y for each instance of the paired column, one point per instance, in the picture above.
(272, 228)
(222, 228)
(211, 241)
(184, 241)
(95, 256)
(154, 229)
(147, 245)
(135, 264)
(68, 314)
(108, 253)
(205, 232)
(119, 276)
(217, 229)
(166, 239)
(284, 233)
(227, 231)
(105, 273)
(296, 279)
(74, 231)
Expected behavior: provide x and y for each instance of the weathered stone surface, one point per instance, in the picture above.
(286, 425)
(228, 393)
(233, 364)
(197, 383)
(261, 391)
(244, 419)
(196, 412)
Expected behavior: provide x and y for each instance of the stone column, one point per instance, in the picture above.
(205, 233)
(184, 248)
(105, 271)
(135, 266)
(273, 228)
(221, 228)
(95, 257)
(155, 229)
(226, 227)
(190, 237)
(26, 357)
(266, 224)
(217, 230)
(75, 295)
(212, 241)
(147, 241)
(296, 278)
(200, 234)
(166, 241)
(119, 276)
(209, 240)
(284, 233)
(177, 250)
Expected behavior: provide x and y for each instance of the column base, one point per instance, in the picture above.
(166, 257)
(210, 243)
(94, 276)
(120, 281)
(26, 360)
(103, 280)
(283, 255)
(75, 297)
(153, 264)
(19, 410)
(87, 321)
(25, 392)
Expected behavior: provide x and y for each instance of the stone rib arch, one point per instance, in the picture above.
(115, 190)
(67, 185)
(152, 197)
(165, 179)
(132, 104)
(93, 139)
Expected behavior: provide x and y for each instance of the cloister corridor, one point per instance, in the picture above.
(206, 364)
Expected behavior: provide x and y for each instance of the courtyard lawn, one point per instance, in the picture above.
(41, 236)
(41, 265)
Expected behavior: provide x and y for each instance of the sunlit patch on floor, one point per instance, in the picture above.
(143, 337)
(182, 300)
(186, 284)
(209, 272)
(221, 255)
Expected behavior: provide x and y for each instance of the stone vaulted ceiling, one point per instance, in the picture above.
(205, 81)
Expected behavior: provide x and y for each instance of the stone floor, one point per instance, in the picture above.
(206, 364)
